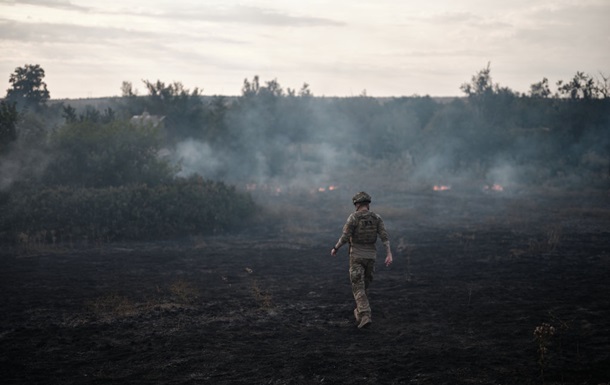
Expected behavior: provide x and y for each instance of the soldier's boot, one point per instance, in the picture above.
(365, 321)
(357, 315)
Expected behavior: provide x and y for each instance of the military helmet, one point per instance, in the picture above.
(361, 197)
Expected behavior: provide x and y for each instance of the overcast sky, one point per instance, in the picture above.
(338, 47)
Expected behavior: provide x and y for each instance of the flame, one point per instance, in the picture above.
(494, 187)
(329, 188)
(441, 187)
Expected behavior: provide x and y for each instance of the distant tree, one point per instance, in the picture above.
(305, 91)
(183, 109)
(108, 115)
(69, 114)
(271, 88)
(95, 154)
(8, 124)
(250, 89)
(582, 86)
(216, 129)
(480, 84)
(540, 89)
(127, 90)
(91, 114)
(603, 86)
(28, 88)
(173, 93)
(489, 101)
(260, 112)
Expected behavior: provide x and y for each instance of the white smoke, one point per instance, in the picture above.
(196, 157)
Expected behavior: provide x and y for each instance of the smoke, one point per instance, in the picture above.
(195, 157)
(291, 168)
(22, 163)
(504, 174)
(367, 144)
(9, 171)
(288, 151)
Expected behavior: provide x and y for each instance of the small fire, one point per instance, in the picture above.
(329, 188)
(494, 187)
(441, 187)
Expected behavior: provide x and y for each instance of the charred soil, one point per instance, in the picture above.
(474, 276)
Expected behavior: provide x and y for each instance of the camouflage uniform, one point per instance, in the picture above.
(361, 231)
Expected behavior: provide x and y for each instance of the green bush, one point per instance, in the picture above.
(136, 212)
(99, 155)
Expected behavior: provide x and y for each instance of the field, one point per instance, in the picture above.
(475, 275)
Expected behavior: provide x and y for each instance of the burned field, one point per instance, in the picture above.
(475, 276)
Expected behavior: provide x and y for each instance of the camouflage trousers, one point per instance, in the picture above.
(361, 275)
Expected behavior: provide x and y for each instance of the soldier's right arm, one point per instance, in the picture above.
(348, 230)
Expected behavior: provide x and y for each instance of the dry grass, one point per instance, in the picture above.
(112, 305)
(406, 249)
(400, 213)
(465, 239)
(180, 293)
(184, 292)
(38, 242)
(547, 244)
(262, 297)
(543, 335)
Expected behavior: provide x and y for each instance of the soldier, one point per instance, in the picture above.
(360, 231)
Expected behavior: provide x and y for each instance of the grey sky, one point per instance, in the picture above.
(339, 47)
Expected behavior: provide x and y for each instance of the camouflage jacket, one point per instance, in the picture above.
(361, 231)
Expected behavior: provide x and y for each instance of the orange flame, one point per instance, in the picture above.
(329, 188)
(494, 187)
(440, 187)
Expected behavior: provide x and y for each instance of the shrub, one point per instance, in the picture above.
(183, 207)
(98, 155)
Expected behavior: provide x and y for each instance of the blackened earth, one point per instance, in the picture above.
(474, 276)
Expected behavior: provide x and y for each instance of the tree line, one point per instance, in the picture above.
(270, 133)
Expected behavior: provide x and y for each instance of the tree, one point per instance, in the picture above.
(69, 114)
(540, 89)
(28, 88)
(305, 92)
(582, 86)
(603, 86)
(96, 154)
(8, 124)
(489, 101)
(250, 89)
(216, 129)
(183, 109)
(480, 84)
(127, 90)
